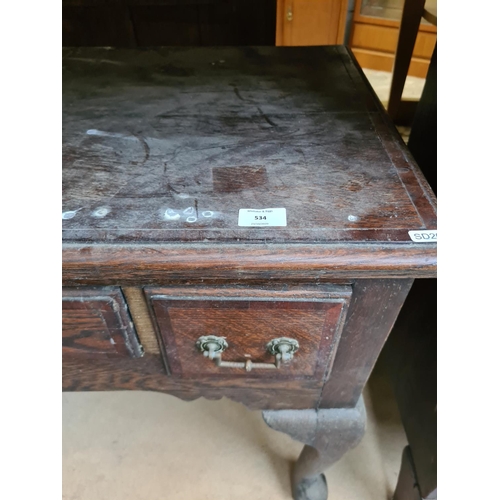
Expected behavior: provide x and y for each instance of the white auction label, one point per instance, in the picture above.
(424, 236)
(262, 217)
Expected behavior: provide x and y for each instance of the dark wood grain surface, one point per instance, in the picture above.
(95, 323)
(167, 145)
(162, 147)
(248, 319)
(143, 264)
(374, 307)
(148, 374)
(147, 23)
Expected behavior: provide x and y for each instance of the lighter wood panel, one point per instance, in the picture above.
(138, 309)
(372, 37)
(310, 22)
(385, 39)
(424, 46)
(385, 21)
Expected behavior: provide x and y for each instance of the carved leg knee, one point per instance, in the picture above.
(328, 434)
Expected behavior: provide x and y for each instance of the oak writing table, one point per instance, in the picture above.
(176, 278)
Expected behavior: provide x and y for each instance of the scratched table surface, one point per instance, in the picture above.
(169, 144)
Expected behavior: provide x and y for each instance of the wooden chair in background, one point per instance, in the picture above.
(401, 111)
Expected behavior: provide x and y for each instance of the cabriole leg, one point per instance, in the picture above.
(327, 434)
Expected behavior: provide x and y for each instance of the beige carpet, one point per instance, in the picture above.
(149, 446)
(381, 83)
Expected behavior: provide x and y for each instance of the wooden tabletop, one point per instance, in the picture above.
(165, 146)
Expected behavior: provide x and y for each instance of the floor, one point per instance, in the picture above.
(381, 83)
(148, 446)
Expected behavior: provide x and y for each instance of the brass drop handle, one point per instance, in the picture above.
(282, 349)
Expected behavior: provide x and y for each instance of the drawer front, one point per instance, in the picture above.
(248, 320)
(96, 324)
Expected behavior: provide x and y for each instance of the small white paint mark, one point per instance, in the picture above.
(247, 355)
(112, 341)
(171, 214)
(326, 338)
(183, 196)
(207, 213)
(353, 218)
(107, 61)
(69, 214)
(101, 212)
(191, 219)
(189, 210)
(102, 133)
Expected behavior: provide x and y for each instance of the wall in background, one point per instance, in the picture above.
(142, 23)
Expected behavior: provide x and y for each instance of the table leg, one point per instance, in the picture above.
(327, 434)
(407, 487)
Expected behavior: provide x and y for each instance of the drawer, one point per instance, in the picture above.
(96, 323)
(255, 325)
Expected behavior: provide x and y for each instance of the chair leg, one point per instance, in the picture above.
(407, 487)
(410, 23)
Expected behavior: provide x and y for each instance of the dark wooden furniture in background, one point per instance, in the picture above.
(411, 356)
(423, 137)
(403, 111)
(161, 149)
(411, 351)
(148, 23)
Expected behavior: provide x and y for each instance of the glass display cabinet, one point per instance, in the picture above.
(374, 36)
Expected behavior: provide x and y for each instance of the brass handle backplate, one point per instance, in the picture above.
(282, 349)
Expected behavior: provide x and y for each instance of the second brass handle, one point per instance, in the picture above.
(282, 349)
